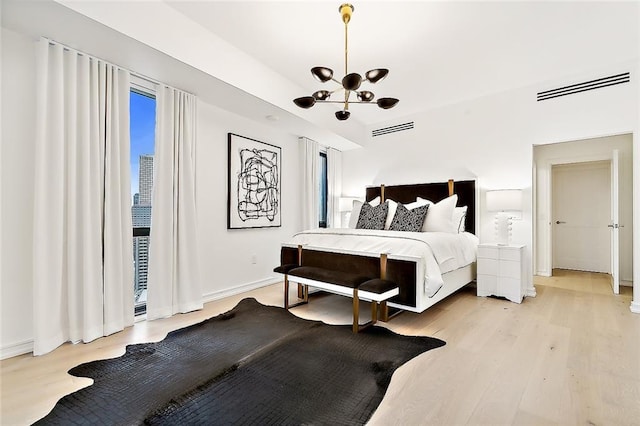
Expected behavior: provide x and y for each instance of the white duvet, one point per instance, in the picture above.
(439, 252)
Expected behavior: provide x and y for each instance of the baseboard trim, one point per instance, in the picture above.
(221, 294)
(635, 307)
(26, 346)
(16, 349)
(531, 292)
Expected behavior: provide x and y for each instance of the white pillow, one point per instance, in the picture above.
(458, 218)
(418, 203)
(390, 213)
(355, 211)
(440, 214)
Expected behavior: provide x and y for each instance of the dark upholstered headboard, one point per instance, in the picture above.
(466, 190)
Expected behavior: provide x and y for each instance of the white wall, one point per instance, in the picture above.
(225, 255)
(491, 138)
(578, 151)
(18, 137)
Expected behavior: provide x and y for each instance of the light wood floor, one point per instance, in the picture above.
(569, 356)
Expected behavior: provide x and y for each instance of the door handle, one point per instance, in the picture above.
(558, 222)
(615, 226)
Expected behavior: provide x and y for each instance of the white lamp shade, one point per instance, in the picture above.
(504, 200)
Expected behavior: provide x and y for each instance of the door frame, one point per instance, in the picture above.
(538, 174)
(547, 202)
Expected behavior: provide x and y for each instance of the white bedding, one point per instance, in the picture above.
(439, 252)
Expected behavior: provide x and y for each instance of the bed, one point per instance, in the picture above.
(426, 266)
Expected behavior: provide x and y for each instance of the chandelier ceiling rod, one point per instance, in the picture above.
(346, 10)
(350, 82)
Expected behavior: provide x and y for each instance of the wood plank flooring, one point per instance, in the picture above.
(569, 356)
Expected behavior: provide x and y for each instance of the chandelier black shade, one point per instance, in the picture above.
(342, 115)
(386, 103)
(376, 75)
(321, 95)
(323, 74)
(350, 83)
(305, 102)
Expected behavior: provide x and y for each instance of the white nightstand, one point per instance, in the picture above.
(501, 271)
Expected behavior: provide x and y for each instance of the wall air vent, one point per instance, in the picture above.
(392, 129)
(583, 87)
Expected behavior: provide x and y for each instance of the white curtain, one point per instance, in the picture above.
(334, 187)
(82, 258)
(173, 283)
(310, 195)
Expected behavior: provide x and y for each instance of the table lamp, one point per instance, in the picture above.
(505, 202)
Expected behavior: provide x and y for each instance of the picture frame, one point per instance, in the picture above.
(254, 184)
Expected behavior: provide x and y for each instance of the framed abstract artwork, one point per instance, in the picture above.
(254, 188)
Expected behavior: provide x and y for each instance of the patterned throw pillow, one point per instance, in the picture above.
(372, 217)
(409, 220)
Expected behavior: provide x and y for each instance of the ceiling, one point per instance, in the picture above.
(438, 52)
(253, 58)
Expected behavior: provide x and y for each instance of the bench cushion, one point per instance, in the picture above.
(284, 269)
(378, 286)
(345, 279)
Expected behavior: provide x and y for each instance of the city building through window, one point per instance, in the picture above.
(142, 136)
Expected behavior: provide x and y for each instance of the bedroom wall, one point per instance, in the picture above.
(225, 255)
(492, 139)
(18, 136)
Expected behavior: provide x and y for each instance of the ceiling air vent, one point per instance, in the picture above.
(583, 87)
(392, 129)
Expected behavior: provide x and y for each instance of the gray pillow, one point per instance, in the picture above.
(409, 220)
(372, 217)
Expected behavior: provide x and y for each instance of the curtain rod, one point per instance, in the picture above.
(133, 73)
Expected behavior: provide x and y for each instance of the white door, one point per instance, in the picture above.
(614, 225)
(581, 215)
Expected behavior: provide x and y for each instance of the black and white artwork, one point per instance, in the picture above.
(254, 184)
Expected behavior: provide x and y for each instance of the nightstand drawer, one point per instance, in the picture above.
(509, 269)
(488, 267)
(488, 252)
(486, 285)
(510, 254)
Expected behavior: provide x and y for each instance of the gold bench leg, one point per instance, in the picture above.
(374, 312)
(286, 292)
(384, 311)
(303, 293)
(356, 310)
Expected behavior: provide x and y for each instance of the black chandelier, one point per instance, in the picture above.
(350, 82)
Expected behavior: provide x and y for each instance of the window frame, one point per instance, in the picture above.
(323, 189)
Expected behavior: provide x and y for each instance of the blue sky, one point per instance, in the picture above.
(142, 130)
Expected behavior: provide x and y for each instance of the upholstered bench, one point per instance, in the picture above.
(355, 285)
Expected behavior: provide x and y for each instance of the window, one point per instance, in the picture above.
(142, 135)
(322, 188)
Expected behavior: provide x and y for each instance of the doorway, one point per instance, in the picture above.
(581, 205)
(578, 157)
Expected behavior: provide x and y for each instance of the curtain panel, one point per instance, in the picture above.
(82, 267)
(173, 277)
(334, 187)
(310, 184)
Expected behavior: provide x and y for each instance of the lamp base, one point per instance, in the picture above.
(503, 228)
